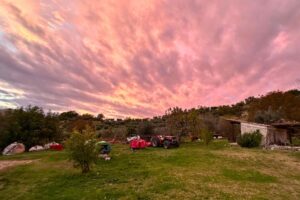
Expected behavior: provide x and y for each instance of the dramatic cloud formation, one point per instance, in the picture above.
(138, 58)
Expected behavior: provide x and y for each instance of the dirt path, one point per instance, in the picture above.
(11, 163)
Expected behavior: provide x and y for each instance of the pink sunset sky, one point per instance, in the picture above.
(137, 58)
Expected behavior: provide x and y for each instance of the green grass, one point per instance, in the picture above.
(193, 171)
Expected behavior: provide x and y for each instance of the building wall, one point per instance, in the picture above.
(252, 127)
(271, 135)
(277, 136)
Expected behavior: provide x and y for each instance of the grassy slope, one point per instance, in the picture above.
(192, 171)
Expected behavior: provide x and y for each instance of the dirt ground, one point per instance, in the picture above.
(11, 163)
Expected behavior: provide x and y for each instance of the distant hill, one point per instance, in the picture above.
(272, 107)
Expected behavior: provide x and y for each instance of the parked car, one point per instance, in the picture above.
(164, 141)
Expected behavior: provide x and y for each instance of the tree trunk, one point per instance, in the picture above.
(85, 168)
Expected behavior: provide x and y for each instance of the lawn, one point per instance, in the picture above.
(193, 171)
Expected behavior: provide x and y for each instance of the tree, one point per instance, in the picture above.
(100, 117)
(206, 136)
(194, 122)
(176, 121)
(81, 149)
(79, 125)
(145, 128)
(285, 104)
(226, 129)
(267, 117)
(30, 126)
(70, 115)
(87, 116)
(130, 130)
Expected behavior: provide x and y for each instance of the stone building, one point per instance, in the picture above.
(277, 133)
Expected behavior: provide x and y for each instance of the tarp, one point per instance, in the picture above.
(102, 143)
(37, 148)
(14, 148)
(104, 147)
(56, 147)
(139, 144)
(136, 137)
(47, 146)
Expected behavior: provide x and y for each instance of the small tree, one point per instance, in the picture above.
(206, 136)
(82, 149)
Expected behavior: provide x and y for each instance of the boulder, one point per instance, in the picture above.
(14, 148)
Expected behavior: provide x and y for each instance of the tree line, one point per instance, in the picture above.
(33, 126)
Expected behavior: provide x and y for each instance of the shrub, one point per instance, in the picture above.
(295, 141)
(81, 148)
(206, 136)
(250, 140)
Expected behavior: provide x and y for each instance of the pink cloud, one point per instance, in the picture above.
(137, 58)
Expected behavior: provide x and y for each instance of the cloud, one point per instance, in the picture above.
(137, 58)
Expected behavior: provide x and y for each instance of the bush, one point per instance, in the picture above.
(250, 140)
(82, 149)
(206, 136)
(295, 141)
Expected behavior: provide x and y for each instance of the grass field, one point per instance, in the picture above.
(192, 171)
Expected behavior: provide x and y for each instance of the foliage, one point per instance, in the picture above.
(70, 115)
(295, 141)
(194, 122)
(176, 121)
(230, 131)
(100, 117)
(250, 140)
(78, 124)
(209, 121)
(30, 126)
(145, 128)
(206, 136)
(87, 116)
(287, 104)
(82, 149)
(119, 133)
(267, 117)
(130, 130)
